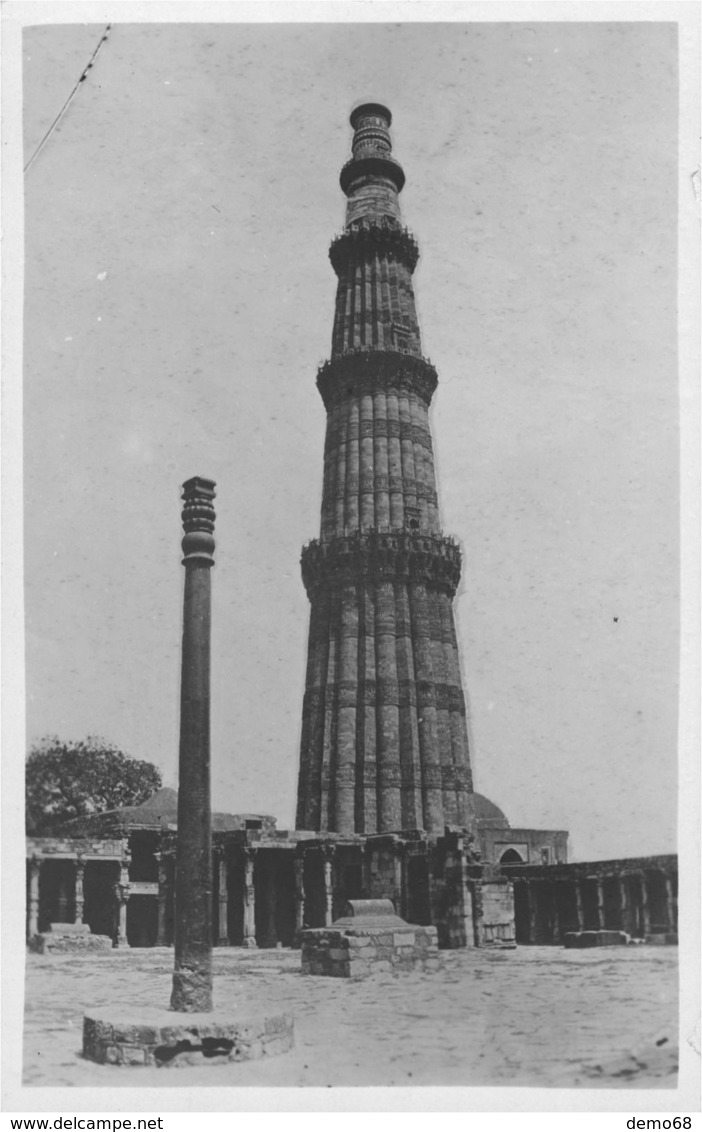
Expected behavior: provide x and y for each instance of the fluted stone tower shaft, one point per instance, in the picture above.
(384, 736)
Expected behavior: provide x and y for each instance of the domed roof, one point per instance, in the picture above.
(487, 813)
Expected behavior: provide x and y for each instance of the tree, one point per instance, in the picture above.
(71, 779)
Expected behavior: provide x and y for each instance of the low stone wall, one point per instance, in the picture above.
(355, 953)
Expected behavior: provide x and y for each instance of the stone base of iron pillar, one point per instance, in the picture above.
(165, 1039)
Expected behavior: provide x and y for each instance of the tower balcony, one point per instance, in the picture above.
(363, 370)
(369, 237)
(373, 166)
(379, 556)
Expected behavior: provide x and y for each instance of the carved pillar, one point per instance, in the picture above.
(623, 903)
(556, 918)
(328, 858)
(122, 892)
(34, 874)
(645, 906)
(467, 930)
(78, 899)
(62, 900)
(477, 903)
(368, 871)
(399, 854)
(580, 920)
(162, 900)
(223, 897)
(267, 892)
(249, 898)
(599, 911)
(299, 888)
(532, 911)
(671, 918)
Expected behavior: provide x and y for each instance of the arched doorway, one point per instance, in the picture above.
(511, 857)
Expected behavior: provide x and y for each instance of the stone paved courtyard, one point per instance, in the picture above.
(537, 1016)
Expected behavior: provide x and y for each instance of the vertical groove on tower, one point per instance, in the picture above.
(368, 772)
(384, 737)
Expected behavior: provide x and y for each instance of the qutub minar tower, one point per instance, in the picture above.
(384, 736)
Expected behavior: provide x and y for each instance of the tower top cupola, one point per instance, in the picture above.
(372, 174)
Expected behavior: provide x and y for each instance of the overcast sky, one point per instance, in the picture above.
(179, 300)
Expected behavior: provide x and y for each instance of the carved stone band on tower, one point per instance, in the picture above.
(384, 733)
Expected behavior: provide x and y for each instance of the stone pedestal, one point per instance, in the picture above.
(369, 938)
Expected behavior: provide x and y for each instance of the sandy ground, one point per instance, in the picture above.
(539, 1016)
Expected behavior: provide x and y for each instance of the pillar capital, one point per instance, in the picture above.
(198, 517)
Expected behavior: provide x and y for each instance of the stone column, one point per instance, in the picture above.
(399, 852)
(192, 973)
(299, 889)
(477, 908)
(328, 857)
(162, 900)
(670, 905)
(266, 899)
(249, 899)
(579, 905)
(367, 865)
(223, 894)
(62, 900)
(600, 903)
(645, 907)
(466, 911)
(556, 917)
(78, 900)
(623, 903)
(34, 874)
(122, 891)
(531, 906)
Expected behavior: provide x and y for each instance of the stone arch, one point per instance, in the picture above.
(511, 857)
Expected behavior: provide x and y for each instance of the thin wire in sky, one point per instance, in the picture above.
(66, 104)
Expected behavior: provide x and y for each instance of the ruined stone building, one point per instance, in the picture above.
(385, 804)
